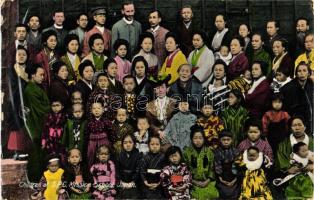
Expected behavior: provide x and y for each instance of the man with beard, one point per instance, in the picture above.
(82, 21)
(34, 35)
(159, 32)
(99, 16)
(308, 55)
(302, 28)
(127, 28)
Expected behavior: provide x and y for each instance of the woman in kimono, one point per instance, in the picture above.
(201, 58)
(200, 160)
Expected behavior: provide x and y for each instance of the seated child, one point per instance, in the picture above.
(142, 135)
(176, 179)
(103, 172)
(223, 54)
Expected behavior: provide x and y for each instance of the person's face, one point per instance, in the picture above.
(184, 107)
(257, 42)
(147, 45)
(232, 99)
(256, 71)
(33, 23)
(253, 133)
(20, 33)
(175, 158)
(271, 29)
(53, 166)
(303, 151)
(207, 110)
(82, 21)
(142, 124)
(128, 144)
(247, 75)
(198, 140)
(226, 141)
(302, 26)
(244, 31)
(121, 115)
(280, 77)
(112, 70)
(309, 42)
(21, 56)
(88, 73)
(100, 19)
(220, 22)
(297, 128)
(171, 44)
(63, 72)
(38, 77)
(56, 107)
(122, 51)
(252, 155)
(278, 49)
(129, 85)
(75, 157)
(224, 51)
(58, 18)
(76, 97)
(197, 41)
(77, 111)
(128, 11)
(97, 109)
(154, 19)
(235, 47)
(103, 82)
(277, 104)
(154, 145)
(73, 46)
(302, 72)
(185, 73)
(186, 14)
(98, 46)
(52, 42)
(103, 155)
(140, 69)
(219, 71)
(161, 91)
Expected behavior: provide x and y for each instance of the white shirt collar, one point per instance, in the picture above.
(101, 28)
(90, 85)
(187, 25)
(155, 29)
(57, 26)
(113, 80)
(139, 80)
(17, 43)
(127, 21)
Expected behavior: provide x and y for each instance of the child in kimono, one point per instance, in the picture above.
(103, 172)
(77, 176)
(211, 124)
(142, 135)
(130, 98)
(51, 183)
(225, 155)
(73, 136)
(254, 184)
(150, 169)
(111, 68)
(223, 54)
(121, 47)
(176, 179)
(127, 162)
(53, 129)
(178, 129)
(200, 160)
(120, 128)
(235, 116)
(275, 122)
(98, 131)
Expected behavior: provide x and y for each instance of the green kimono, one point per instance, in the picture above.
(234, 120)
(68, 139)
(201, 165)
(262, 55)
(36, 100)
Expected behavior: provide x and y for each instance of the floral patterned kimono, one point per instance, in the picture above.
(119, 130)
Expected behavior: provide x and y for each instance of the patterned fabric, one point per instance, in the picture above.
(175, 177)
(142, 142)
(261, 144)
(104, 96)
(212, 127)
(73, 136)
(130, 104)
(119, 130)
(152, 61)
(104, 180)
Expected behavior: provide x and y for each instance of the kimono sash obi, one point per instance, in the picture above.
(176, 180)
(153, 175)
(96, 136)
(78, 183)
(127, 176)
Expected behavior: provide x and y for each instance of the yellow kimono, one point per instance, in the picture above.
(304, 58)
(53, 184)
(172, 68)
(74, 75)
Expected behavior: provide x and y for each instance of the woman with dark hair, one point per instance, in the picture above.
(85, 85)
(245, 32)
(201, 58)
(223, 35)
(174, 59)
(282, 58)
(146, 44)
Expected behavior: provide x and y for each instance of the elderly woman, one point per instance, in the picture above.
(201, 58)
(300, 185)
(282, 60)
(187, 87)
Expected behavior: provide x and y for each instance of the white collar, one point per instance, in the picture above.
(90, 85)
(155, 29)
(255, 84)
(17, 43)
(113, 80)
(293, 140)
(101, 28)
(57, 26)
(139, 80)
(297, 158)
(253, 165)
(187, 25)
(284, 82)
(127, 21)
